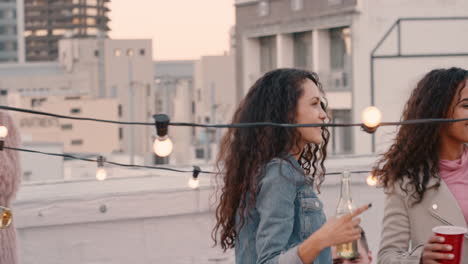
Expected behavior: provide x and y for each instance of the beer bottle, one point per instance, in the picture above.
(345, 206)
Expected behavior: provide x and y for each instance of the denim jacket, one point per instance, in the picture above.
(287, 211)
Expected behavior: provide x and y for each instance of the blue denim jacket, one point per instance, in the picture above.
(287, 211)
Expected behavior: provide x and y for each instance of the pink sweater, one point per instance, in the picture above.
(455, 174)
(10, 175)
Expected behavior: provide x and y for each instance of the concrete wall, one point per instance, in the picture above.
(149, 219)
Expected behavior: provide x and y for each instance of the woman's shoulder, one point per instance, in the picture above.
(286, 167)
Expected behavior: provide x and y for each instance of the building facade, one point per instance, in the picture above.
(48, 21)
(312, 35)
(338, 39)
(174, 97)
(11, 31)
(201, 91)
(95, 69)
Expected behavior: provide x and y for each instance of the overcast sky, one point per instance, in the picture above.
(180, 29)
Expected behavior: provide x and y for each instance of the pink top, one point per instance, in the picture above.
(455, 174)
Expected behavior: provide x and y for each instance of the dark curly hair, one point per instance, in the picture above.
(245, 151)
(415, 150)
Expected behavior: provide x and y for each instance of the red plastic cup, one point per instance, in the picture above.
(454, 235)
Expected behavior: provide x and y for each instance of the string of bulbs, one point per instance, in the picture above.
(163, 146)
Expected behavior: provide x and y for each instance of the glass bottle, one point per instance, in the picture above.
(345, 206)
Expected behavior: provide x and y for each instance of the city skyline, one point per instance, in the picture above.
(173, 25)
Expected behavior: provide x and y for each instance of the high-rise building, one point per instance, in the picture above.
(11, 22)
(47, 21)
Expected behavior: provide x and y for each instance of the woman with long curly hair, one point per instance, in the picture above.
(425, 172)
(268, 209)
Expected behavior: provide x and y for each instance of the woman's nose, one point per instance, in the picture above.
(322, 114)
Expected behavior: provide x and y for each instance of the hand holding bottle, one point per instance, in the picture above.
(342, 229)
(336, 230)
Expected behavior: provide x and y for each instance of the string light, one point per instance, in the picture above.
(6, 217)
(162, 145)
(194, 182)
(3, 131)
(371, 180)
(371, 118)
(101, 173)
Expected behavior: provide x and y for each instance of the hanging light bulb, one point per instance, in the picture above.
(194, 182)
(3, 132)
(101, 173)
(5, 217)
(371, 180)
(371, 118)
(162, 145)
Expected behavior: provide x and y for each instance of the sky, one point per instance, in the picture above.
(180, 29)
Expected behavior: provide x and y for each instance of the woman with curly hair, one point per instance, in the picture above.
(425, 172)
(268, 209)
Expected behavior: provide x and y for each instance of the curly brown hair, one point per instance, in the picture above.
(245, 151)
(415, 150)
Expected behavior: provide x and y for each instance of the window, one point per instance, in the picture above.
(91, 12)
(193, 107)
(341, 137)
(77, 142)
(142, 52)
(267, 53)
(303, 50)
(297, 5)
(340, 47)
(37, 101)
(91, 31)
(340, 58)
(96, 53)
(120, 110)
(263, 8)
(67, 127)
(90, 21)
(71, 97)
(121, 133)
(200, 153)
(58, 32)
(75, 110)
(41, 32)
(335, 2)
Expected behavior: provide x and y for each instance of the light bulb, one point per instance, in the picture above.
(101, 174)
(5, 217)
(194, 183)
(371, 116)
(3, 131)
(371, 180)
(162, 146)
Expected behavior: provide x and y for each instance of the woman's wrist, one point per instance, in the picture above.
(311, 247)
